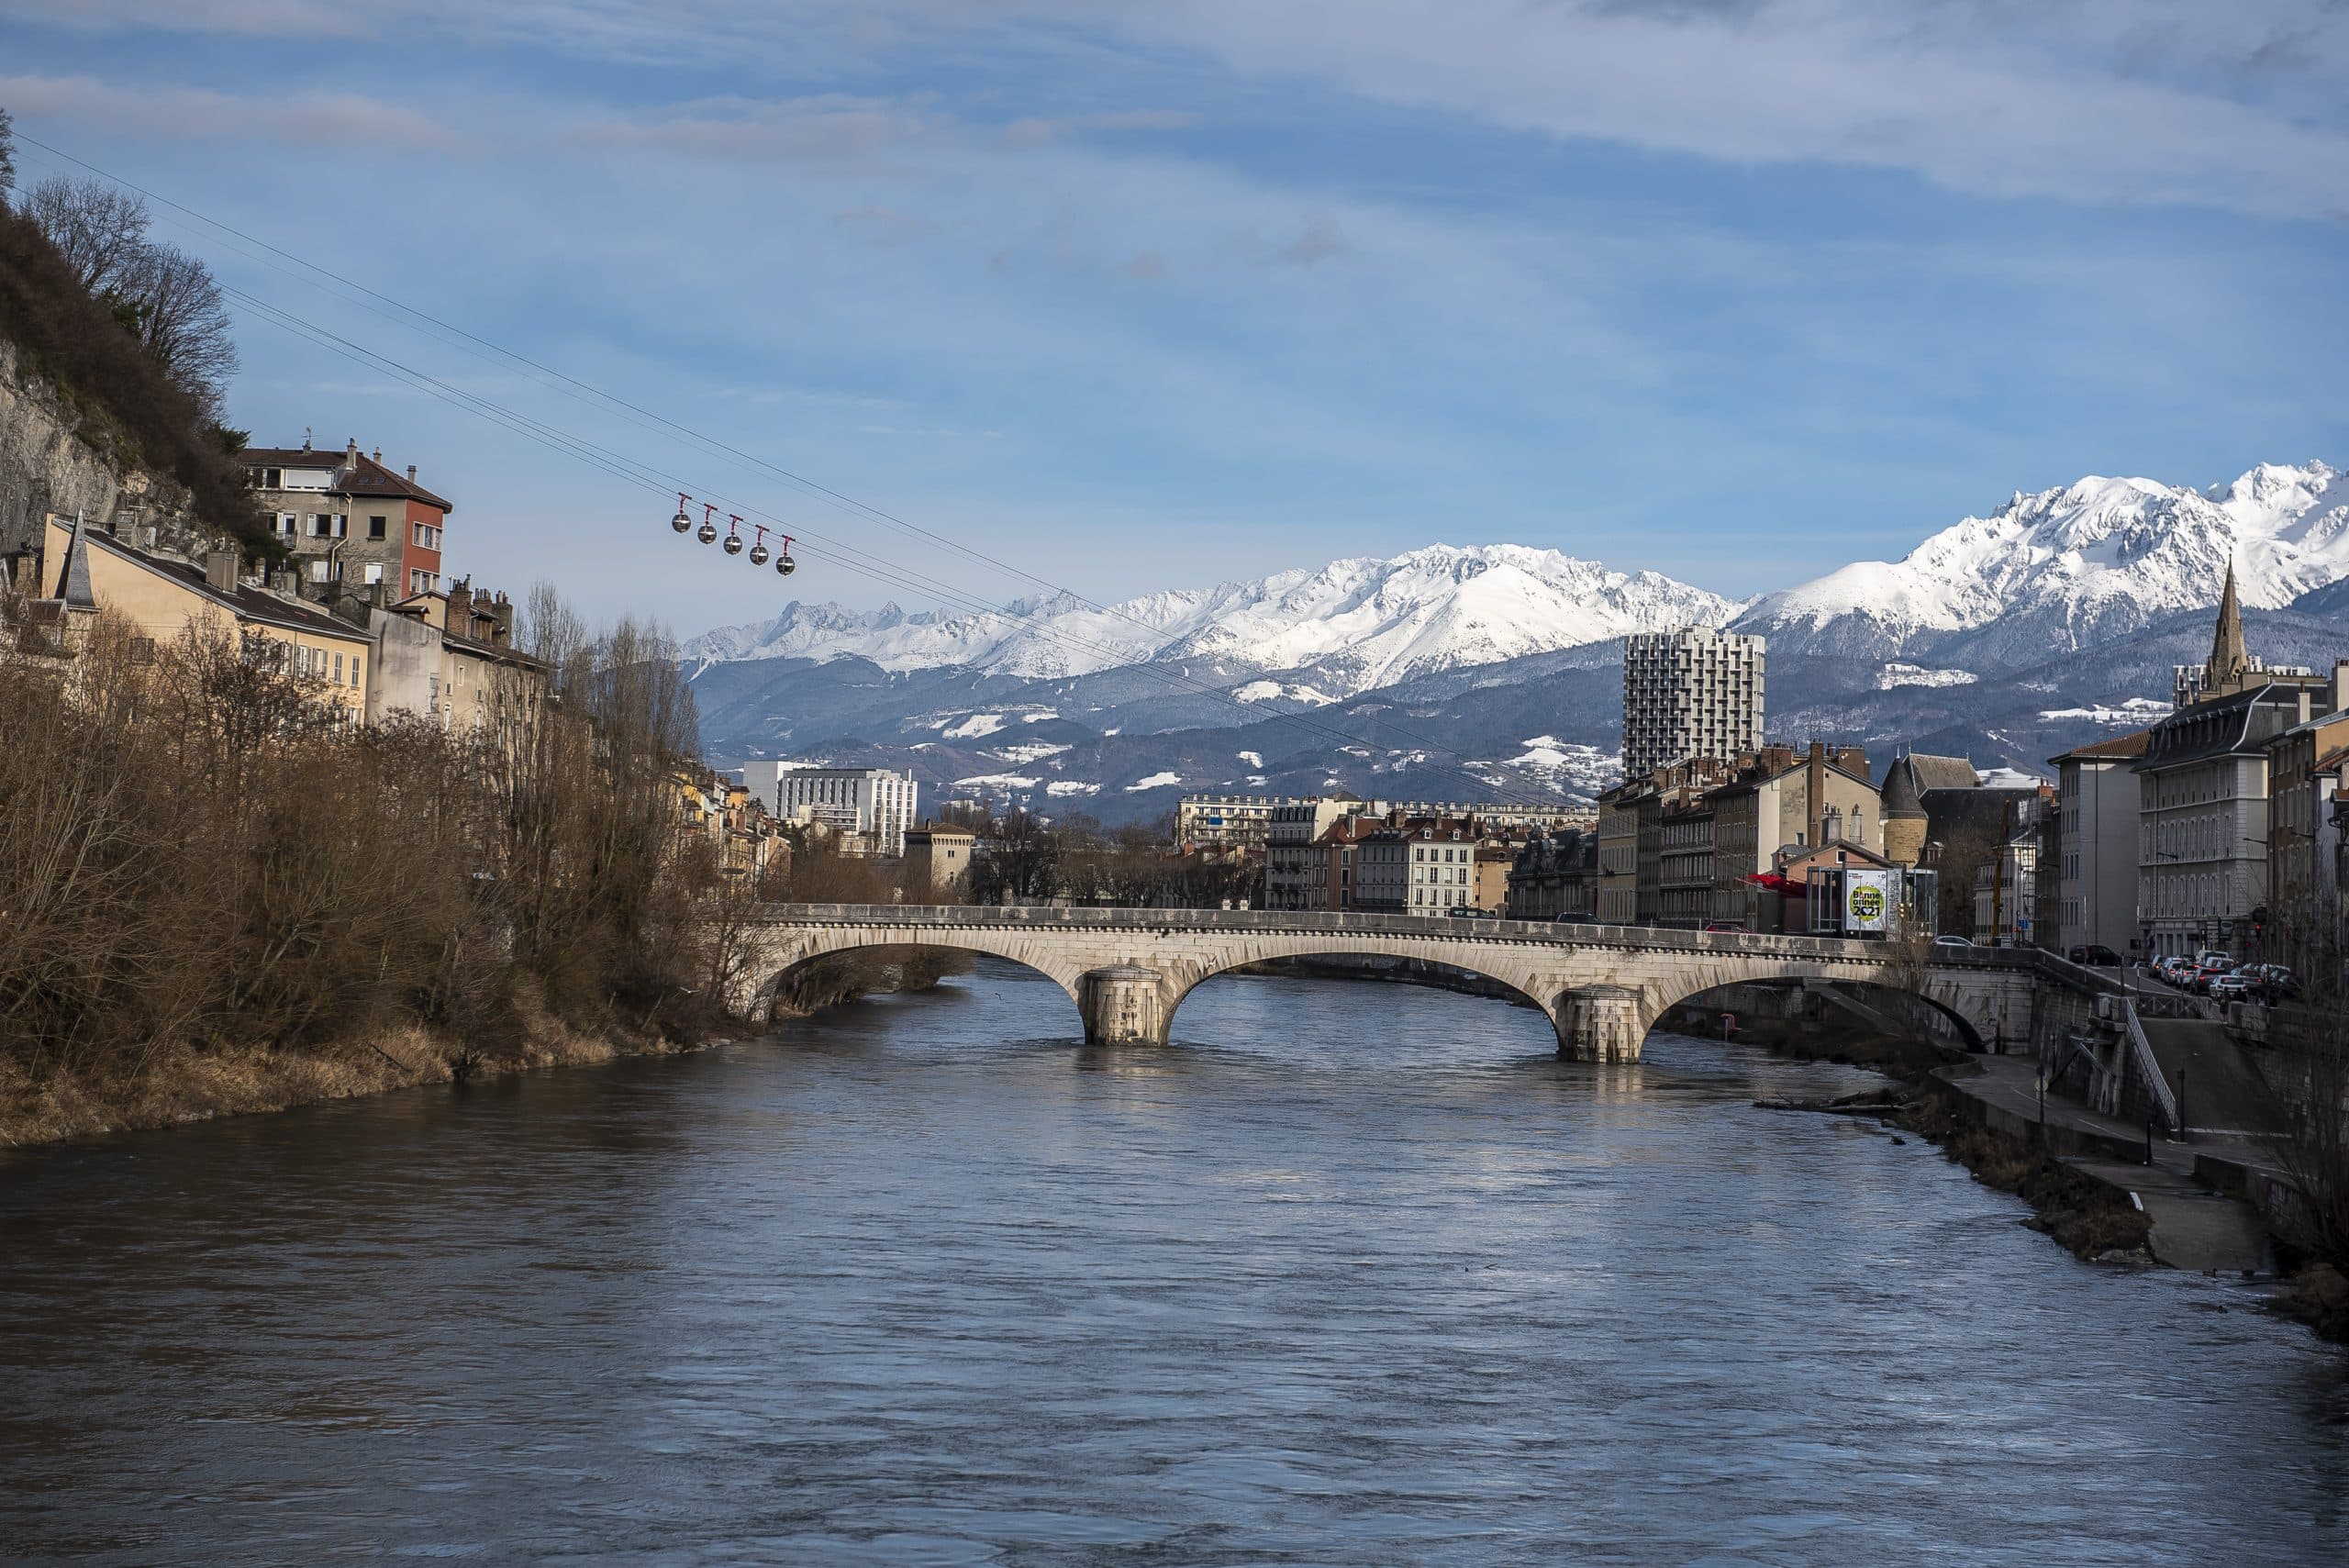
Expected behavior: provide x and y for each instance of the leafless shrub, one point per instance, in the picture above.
(196, 853)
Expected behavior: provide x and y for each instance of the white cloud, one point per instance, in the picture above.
(1992, 99)
(303, 118)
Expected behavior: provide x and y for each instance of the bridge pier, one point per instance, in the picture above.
(1600, 1023)
(1123, 1004)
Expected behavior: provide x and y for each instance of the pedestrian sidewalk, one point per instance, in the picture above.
(2194, 1225)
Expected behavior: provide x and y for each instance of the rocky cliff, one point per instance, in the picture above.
(54, 458)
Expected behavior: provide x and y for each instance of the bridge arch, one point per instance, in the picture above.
(1517, 984)
(1880, 1004)
(773, 964)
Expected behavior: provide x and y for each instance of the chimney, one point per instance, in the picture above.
(411, 473)
(1815, 789)
(351, 450)
(2341, 685)
(379, 454)
(220, 571)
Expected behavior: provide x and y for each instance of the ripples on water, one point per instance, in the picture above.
(1357, 1274)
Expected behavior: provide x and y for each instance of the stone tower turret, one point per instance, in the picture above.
(1904, 814)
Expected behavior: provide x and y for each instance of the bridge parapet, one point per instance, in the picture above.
(1601, 986)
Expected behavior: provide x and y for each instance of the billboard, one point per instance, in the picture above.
(1868, 897)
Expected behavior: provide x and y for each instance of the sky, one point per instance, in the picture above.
(1119, 295)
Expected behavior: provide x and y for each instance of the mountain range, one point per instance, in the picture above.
(1457, 670)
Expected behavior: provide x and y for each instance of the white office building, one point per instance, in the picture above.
(1692, 693)
(870, 808)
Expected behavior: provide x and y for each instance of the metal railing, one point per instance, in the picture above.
(2148, 1066)
(1542, 932)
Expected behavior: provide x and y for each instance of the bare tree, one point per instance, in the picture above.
(182, 318)
(99, 230)
(167, 298)
(7, 156)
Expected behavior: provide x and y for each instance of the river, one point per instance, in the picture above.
(1355, 1273)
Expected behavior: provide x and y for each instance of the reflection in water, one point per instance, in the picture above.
(1356, 1274)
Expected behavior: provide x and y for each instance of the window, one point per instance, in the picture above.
(425, 536)
(375, 572)
(419, 581)
(376, 525)
(321, 525)
(337, 668)
(285, 523)
(355, 669)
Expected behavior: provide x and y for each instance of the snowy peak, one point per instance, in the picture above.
(2059, 568)
(1358, 623)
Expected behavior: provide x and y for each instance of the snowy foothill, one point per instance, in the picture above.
(2131, 710)
(1894, 676)
(1028, 751)
(1155, 781)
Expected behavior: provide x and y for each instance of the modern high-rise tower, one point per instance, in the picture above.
(1692, 693)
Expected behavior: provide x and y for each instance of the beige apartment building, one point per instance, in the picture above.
(937, 861)
(86, 571)
(450, 658)
(1295, 874)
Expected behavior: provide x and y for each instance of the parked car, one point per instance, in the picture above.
(1463, 912)
(1953, 941)
(2234, 986)
(2205, 975)
(1726, 926)
(2091, 953)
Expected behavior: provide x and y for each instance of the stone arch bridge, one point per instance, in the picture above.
(1601, 986)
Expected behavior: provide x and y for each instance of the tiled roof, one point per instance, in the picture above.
(248, 602)
(1942, 773)
(368, 477)
(2119, 746)
(357, 476)
(290, 457)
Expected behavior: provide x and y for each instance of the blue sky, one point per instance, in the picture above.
(1136, 295)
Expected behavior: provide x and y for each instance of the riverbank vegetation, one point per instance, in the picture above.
(216, 896)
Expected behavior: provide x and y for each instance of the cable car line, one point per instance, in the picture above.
(630, 472)
(573, 386)
(635, 473)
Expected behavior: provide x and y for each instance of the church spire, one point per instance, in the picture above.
(2228, 659)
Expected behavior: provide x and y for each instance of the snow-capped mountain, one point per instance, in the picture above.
(1356, 624)
(2065, 568)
